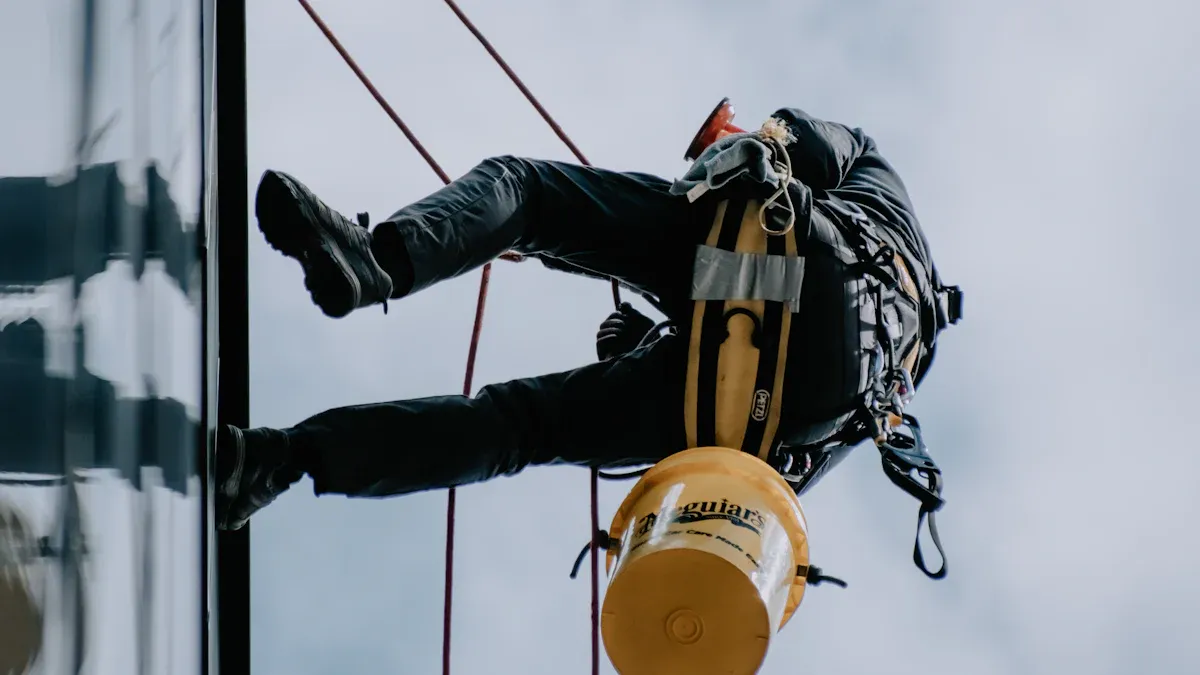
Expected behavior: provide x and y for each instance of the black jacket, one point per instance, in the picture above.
(834, 160)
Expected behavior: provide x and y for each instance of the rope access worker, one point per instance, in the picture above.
(802, 300)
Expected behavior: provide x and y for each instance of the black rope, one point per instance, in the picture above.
(813, 576)
(601, 540)
(637, 473)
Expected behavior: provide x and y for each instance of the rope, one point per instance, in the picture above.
(516, 79)
(616, 296)
(473, 350)
(387, 108)
(478, 324)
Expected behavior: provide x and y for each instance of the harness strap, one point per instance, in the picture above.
(872, 255)
(901, 456)
(741, 324)
(949, 305)
(918, 559)
(768, 382)
(746, 284)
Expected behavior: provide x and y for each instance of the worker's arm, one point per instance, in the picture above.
(622, 332)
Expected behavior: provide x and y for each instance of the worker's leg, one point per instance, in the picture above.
(624, 225)
(578, 218)
(615, 413)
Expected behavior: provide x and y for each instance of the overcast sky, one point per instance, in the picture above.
(1049, 148)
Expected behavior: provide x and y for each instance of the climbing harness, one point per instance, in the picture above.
(756, 272)
(745, 287)
(880, 413)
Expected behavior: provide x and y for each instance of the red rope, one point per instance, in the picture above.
(616, 295)
(595, 485)
(516, 79)
(374, 92)
(478, 325)
(472, 351)
(387, 108)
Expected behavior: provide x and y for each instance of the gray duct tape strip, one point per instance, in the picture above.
(725, 275)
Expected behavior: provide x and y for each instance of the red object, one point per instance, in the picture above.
(475, 333)
(717, 126)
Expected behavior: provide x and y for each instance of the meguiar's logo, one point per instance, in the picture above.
(710, 510)
(762, 401)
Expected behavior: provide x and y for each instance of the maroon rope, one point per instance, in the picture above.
(472, 352)
(387, 108)
(616, 296)
(478, 325)
(374, 92)
(516, 79)
(595, 490)
(477, 329)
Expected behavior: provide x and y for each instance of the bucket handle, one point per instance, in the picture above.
(813, 575)
(600, 541)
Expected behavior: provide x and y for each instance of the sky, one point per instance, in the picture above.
(1048, 148)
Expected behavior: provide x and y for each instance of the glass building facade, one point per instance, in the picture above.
(106, 146)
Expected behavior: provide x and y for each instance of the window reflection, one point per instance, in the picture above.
(100, 191)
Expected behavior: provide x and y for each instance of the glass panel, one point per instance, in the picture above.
(100, 192)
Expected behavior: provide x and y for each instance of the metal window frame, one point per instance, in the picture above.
(226, 555)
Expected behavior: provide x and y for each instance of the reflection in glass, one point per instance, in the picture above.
(100, 191)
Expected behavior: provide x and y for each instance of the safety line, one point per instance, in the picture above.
(616, 296)
(374, 92)
(387, 108)
(595, 508)
(516, 79)
(478, 324)
(473, 350)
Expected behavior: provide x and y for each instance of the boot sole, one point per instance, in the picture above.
(330, 281)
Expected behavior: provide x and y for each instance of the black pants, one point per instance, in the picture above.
(621, 412)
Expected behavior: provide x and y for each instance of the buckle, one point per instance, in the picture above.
(949, 305)
(902, 454)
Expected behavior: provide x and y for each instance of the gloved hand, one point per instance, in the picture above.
(621, 332)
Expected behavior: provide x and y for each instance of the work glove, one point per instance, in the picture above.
(621, 332)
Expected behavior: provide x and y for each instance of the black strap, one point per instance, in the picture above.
(713, 332)
(814, 576)
(600, 540)
(918, 558)
(636, 473)
(949, 305)
(768, 358)
(902, 455)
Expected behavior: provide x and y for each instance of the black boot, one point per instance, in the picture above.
(254, 466)
(340, 271)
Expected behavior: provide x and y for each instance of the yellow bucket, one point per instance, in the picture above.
(704, 566)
